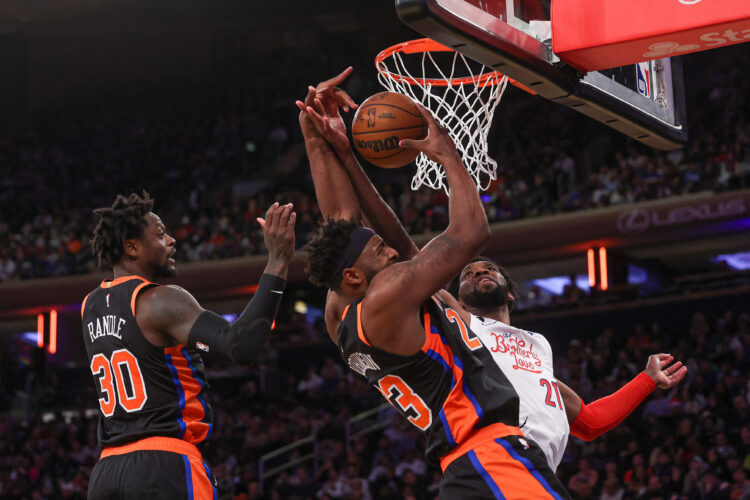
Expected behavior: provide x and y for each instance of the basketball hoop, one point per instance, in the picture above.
(461, 97)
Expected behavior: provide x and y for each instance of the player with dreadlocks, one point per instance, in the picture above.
(144, 341)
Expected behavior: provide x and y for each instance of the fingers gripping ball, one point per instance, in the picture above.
(381, 122)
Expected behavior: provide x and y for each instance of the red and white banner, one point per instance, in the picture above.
(599, 34)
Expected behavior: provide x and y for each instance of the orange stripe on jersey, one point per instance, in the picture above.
(123, 279)
(426, 318)
(459, 411)
(360, 331)
(202, 488)
(509, 474)
(157, 443)
(346, 310)
(135, 295)
(193, 411)
(83, 304)
(478, 437)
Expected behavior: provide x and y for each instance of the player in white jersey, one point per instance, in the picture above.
(549, 409)
(526, 359)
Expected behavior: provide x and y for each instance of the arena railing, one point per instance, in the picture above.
(351, 434)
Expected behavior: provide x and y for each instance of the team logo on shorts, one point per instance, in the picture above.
(202, 346)
(524, 443)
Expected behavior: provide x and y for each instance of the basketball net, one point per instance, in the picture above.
(464, 105)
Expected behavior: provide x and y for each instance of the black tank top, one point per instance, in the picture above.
(448, 389)
(144, 390)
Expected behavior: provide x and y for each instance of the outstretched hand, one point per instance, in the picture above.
(662, 373)
(278, 233)
(322, 105)
(438, 145)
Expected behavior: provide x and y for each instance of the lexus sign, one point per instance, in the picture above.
(638, 220)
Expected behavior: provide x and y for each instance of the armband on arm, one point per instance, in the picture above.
(241, 341)
(606, 413)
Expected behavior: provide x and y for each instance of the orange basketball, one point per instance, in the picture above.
(381, 122)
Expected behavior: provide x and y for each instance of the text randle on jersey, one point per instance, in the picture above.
(109, 324)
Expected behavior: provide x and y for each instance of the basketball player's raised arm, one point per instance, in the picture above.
(333, 189)
(407, 285)
(175, 314)
(589, 421)
(324, 114)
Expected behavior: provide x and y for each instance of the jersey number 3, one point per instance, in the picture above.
(130, 393)
(399, 394)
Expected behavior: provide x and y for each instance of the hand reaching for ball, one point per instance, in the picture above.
(321, 108)
(438, 145)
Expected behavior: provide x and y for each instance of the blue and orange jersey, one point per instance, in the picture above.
(448, 389)
(144, 390)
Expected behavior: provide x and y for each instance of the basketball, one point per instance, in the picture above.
(381, 122)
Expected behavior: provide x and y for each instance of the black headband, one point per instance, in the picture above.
(359, 238)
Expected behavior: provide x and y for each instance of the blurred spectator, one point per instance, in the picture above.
(582, 482)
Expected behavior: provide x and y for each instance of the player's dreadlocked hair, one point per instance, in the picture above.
(120, 222)
(324, 249)
(453, 286)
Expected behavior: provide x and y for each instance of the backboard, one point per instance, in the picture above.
(644, 101)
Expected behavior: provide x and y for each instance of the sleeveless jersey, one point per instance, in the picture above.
(526, 358)
(143, 390)
(448, 389)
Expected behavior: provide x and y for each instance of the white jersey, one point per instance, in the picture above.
(526, 359)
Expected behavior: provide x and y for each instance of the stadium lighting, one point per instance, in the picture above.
(40, 330)
(591, 267)
(52, 331)
(603, 268)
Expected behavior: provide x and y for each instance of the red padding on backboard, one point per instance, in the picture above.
(599, 34)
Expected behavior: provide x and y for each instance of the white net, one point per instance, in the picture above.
(463, 104)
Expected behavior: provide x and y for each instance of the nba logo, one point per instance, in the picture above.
(643, 77)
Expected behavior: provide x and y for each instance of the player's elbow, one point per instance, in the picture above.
(474, 237)
(484, 232)
(480, 235)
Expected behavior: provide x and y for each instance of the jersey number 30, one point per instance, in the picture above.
(130, 393)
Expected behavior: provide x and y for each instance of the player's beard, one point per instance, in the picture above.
(496, 297)
(166, 271)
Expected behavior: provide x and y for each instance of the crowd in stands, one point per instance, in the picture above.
(216, 156)
(690, 443)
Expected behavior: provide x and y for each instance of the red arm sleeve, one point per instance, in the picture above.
(603, 414)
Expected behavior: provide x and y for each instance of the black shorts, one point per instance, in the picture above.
(153, 475)
(511, 468)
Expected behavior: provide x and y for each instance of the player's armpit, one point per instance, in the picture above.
(571, 401)
(167, 312)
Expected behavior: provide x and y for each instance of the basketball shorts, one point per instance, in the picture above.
(153, 468)
(510, 467)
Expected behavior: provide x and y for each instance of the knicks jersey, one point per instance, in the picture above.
(526, 359)
(448, 389)
(143, 390)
